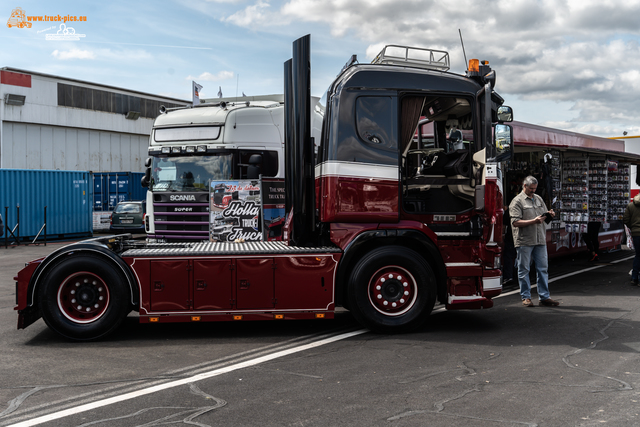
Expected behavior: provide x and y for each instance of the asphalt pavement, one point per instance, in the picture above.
(573, 365)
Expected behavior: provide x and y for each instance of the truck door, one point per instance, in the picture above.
(169, 285)
(255, 283)
(212, 280)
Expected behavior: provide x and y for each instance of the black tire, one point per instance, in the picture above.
(392, 289)
(84, 297)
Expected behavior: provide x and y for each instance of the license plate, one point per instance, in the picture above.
(126, 221)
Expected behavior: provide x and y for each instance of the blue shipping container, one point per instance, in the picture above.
(109, 188)
(67, 195)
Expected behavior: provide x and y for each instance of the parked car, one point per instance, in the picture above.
(128, 216)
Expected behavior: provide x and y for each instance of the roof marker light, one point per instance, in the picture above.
(474, 65)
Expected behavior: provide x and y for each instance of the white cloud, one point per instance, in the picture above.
(583, 52)
(208, 77)
(257, 14)
(73, 54)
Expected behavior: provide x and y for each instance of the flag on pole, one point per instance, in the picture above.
(196, 88)
(220, 92)
(243, 94)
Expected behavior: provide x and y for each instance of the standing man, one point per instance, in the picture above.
(590, 238)
(631, 219)
(528, 214)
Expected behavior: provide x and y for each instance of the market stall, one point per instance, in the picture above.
(585, 179)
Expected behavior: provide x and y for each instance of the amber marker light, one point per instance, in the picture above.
(278, 316)
(237, 317)
(319, 315)
(195, 318)
(153, 319)
(474, 65)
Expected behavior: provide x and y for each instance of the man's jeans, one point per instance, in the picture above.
(636, 260)
(539, 255)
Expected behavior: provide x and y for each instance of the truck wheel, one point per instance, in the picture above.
(392, 289)
(84, 298)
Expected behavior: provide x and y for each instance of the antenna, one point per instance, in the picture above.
(237, 83)
(463, 52)
(235, 116)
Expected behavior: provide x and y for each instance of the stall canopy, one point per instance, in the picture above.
(528, 137)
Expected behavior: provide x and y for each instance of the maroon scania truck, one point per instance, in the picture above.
(399, 205)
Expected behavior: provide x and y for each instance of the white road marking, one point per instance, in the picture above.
(195, 378)
(564, 276)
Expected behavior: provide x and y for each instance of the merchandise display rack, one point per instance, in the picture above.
(618, 189)
(593, 190)
(575, 194)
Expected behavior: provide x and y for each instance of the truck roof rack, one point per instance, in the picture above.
(430, 59)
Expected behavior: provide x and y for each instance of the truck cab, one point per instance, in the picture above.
(189, 147)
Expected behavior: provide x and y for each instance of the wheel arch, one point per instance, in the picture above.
(370, 240)
(96, 250)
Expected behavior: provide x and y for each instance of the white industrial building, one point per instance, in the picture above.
(56, 123)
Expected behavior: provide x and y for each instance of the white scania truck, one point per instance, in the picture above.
(189, 147)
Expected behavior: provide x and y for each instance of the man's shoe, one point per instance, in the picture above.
(527, 302)
(549, 302)
(635, 282)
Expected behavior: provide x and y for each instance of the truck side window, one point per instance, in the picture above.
(374, 121)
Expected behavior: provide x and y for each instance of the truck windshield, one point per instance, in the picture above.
(189, 173)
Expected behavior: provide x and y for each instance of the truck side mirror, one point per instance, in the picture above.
(505, 114)
(146, 179)
(503, 141)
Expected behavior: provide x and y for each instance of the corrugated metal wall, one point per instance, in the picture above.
(34, 146)
(68, 196)
(109, 188)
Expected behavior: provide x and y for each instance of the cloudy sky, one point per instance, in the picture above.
(568, 64)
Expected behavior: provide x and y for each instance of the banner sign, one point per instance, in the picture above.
(235, 208)
(246, 210)
(273, 207)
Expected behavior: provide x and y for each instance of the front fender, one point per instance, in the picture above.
(368, 240)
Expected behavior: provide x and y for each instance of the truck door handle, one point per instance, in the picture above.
(158, 286)
(201, 285)
(244, 284)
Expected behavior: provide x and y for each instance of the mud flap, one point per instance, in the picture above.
(28, 316)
